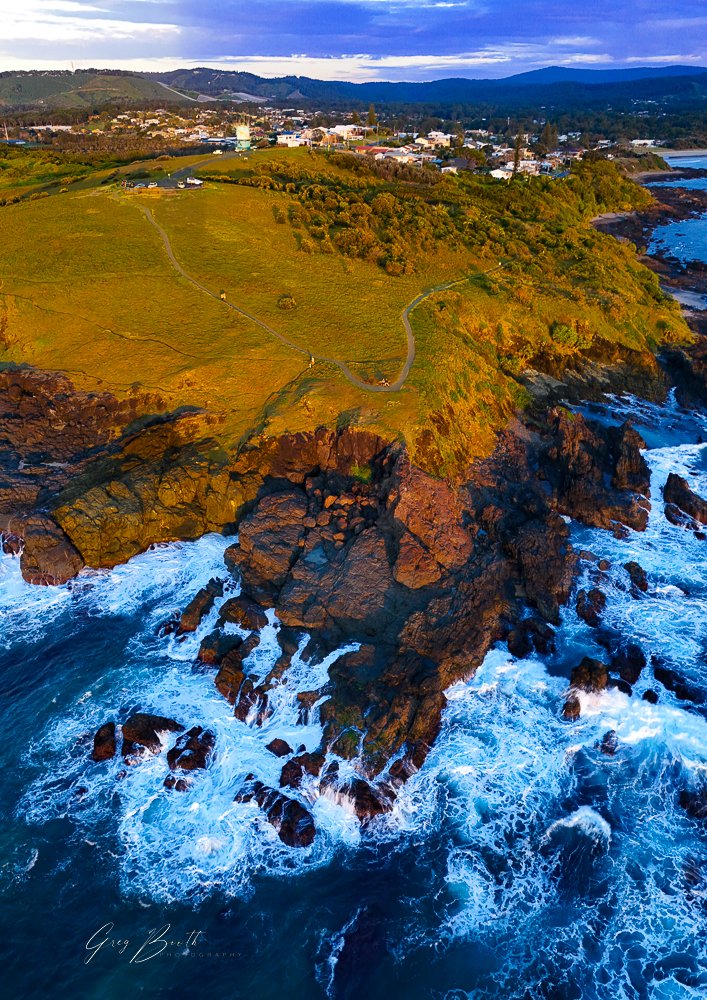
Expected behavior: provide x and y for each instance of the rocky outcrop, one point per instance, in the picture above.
(199, 607)
(104, 744)
(279, 747)
(241, 611)
(143, 733)
(682, 505)
(192, 751)
(578, 461)
(589, 675)
(638, 576)
(294, 824)
(590, 604)
(346, 539)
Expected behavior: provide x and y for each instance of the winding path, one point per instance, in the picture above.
(345, 370)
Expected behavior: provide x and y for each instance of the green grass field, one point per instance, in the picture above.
(86, 286)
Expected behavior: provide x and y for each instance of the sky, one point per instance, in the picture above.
(352, 39)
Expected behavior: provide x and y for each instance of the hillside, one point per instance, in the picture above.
(318, 256)
(83, 89)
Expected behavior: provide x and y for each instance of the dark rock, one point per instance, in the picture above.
(694, 802)
(572, 709)
(48, 557)
(251, 700)
(216, 645)
(192, 751)
(621, 685)
(143, 730)
(590, 604)
(269, 543)
(579, 460)
(609, 743)
(295, 769)
(243, 612)
(230, 676)
(294, 823)
(104, 742)
(672, 681)
(638, 576)
(11, 545)
(650, 696)
(590, 675)
(178, 784)
(279, 747)
(199, 607)
(677, 494)
(629, 662)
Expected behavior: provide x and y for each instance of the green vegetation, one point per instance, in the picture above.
(351, 243)
(79, 89)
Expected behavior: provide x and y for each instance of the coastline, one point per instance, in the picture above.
(685, 281)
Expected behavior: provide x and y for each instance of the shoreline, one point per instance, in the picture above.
(683, 281)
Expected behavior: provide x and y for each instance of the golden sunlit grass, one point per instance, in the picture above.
(86, 287)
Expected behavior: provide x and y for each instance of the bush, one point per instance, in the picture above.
(286, 301)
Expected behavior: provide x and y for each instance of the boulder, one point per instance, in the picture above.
(104, 744)
(144, 731)
(216, 645)
(199, 607)
(10, 543)
(572, 709)
(295, 769)
(269, 543)
(48, 557)
(192, 751)
(677, 494)
(294, 823)
(628, 662)
(590, 675)
(279, 747)
(638, 576)
(590, 604)
(243, 612)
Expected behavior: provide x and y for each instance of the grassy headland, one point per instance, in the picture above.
(327, 251)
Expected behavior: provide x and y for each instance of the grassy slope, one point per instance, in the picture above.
(77, 90)
(102, 301)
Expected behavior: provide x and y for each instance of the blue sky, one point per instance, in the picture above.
(352, 39)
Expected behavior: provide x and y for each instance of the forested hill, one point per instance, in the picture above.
(557, 87)
(554, 84)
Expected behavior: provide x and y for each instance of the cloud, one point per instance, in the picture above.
(348, 39)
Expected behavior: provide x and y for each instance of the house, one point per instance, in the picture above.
(439, 139)
(291, 139)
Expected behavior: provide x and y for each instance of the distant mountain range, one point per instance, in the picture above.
(552, 85)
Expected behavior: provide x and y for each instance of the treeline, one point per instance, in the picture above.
(394, 215)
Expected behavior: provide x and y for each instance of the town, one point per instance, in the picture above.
(500, 149)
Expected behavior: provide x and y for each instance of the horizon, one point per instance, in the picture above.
(354, 40)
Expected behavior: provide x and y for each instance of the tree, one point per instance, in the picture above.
(356, 118)
(372, 119)
(517, 152)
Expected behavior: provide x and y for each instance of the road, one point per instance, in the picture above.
(395, 386)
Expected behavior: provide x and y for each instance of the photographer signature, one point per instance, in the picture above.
(154, 944)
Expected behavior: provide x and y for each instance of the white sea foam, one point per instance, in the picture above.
(563, 860)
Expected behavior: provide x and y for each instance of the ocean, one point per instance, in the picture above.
(522, 861)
